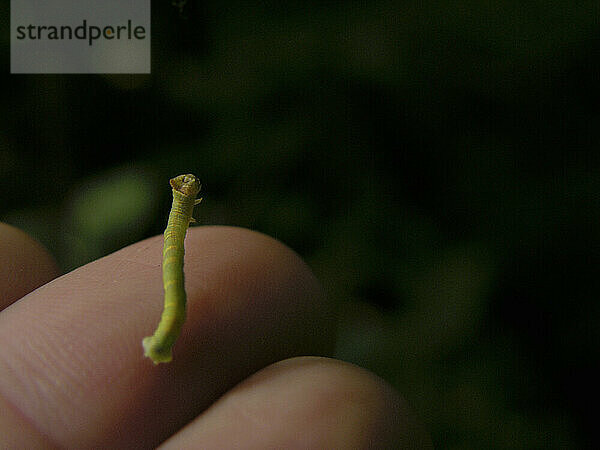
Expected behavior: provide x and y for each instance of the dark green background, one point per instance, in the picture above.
(435, 162)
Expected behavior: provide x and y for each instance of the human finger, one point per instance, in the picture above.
(24, 265)
(71, 360)
(306, 402)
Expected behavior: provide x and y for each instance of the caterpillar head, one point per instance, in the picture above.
(187, 184)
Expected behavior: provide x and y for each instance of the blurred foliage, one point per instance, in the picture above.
(435, 162)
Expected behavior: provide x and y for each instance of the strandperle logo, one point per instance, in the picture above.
(80, 36)
(90, 33)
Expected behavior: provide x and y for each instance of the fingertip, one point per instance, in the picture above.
(262, 268)
(24, 265)
(307, 402)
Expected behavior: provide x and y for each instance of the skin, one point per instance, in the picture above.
(26, 265)
(72, 373)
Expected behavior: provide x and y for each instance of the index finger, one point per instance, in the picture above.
(71, 360)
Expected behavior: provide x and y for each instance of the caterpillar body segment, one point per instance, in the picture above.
(158, 347)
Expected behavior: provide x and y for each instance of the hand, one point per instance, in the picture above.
(72, 371)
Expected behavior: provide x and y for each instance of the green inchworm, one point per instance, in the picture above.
(158, 347)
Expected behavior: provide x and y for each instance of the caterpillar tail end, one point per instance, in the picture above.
(158, 354)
